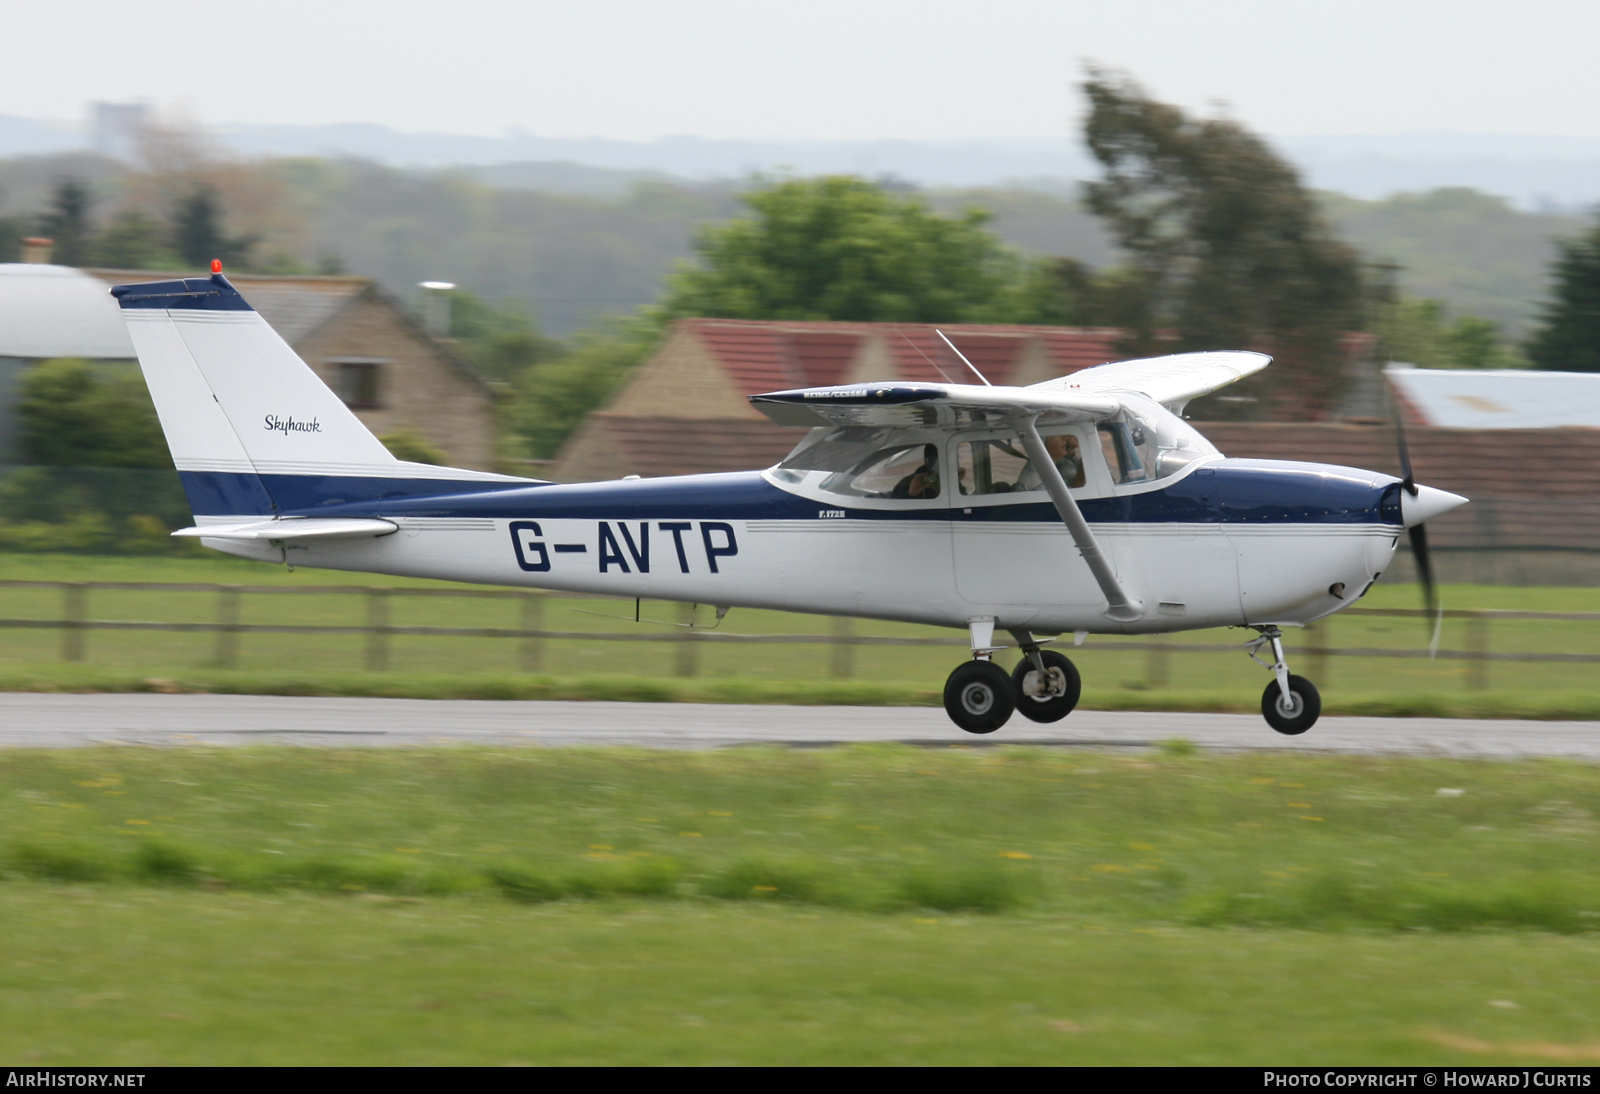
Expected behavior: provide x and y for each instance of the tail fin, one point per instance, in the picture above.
(253, 431)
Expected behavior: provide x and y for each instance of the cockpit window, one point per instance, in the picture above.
(1147, 442)
(905, 471)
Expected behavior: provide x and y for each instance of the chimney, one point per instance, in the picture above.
(36, 249)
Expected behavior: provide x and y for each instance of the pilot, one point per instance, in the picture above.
(924, 481)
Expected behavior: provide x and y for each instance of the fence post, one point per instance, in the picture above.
(843, 661)
(532, 620)
(1478, 649)
(688, 643)
(1157, 663)
(377, 629)
(1317, 636)
(227, 650)
(74, 612)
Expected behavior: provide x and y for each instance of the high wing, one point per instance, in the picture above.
(907, 406)
(1171, 381)
(1089, 394)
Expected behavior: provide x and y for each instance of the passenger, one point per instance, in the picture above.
(1064, 453)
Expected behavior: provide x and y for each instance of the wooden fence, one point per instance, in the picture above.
(75, 622)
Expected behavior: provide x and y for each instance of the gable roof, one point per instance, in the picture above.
(294, 306)
(762, 355)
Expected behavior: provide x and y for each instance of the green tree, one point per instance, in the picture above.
(499, 340)
(843, 248)
(134, 241)
(1225, 241)
(404, 444)
(67, 222)
(552, 398)
(1063, 292)
(1569, 340)
(1419, 332)
(75, 415)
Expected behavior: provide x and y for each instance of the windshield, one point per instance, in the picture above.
(1148, 442)
(903, 471)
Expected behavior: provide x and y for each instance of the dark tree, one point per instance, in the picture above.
(1569, 340)
(1225, 241)
(198, 234)
(67, 222)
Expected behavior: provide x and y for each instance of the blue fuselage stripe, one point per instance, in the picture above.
(1229, 492)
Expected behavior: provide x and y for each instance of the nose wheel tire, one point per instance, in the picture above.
(1050, 699)
(978, 696)
(1298, 715)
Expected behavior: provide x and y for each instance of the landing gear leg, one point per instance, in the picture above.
(978, 695)
(1290, 704)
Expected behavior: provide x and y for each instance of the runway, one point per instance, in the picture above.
(34, 720)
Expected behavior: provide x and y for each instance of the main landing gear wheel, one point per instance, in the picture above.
(1050, 699)
(978, 696)
(1297, 715)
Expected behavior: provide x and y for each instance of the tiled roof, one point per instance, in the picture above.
(295, 307)
(771, 355)
(671, 446)
(1528, 487)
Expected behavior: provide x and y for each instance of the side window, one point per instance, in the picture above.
(1121, 447)
(906, 471)
(1000, 466)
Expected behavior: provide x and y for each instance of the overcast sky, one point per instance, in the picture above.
(819, 69)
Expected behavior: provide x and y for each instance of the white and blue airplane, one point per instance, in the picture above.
(1083, 505)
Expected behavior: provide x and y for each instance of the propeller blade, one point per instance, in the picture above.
(1409, 480)
(1430, 594)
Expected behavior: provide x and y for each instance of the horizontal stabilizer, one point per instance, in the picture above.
(293, 529)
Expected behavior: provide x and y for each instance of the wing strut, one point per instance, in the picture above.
(1121, 607)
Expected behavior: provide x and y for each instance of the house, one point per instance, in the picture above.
(686, 409)
(360, 341)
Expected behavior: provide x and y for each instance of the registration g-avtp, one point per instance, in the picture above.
(1083, 505)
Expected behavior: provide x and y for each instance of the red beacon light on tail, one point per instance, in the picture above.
(216, 265)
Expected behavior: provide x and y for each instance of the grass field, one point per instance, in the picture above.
(873, 904)
(1114, 677)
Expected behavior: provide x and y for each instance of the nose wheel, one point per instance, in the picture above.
(1291, 704)
(1296, 714)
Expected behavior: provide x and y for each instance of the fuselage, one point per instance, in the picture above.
(1222, 542)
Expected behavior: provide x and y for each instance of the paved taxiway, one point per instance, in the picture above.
(63, 721)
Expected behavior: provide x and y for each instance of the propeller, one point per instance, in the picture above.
(1418, 531)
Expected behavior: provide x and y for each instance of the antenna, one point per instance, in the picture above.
(964, 360)
(924, 356)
